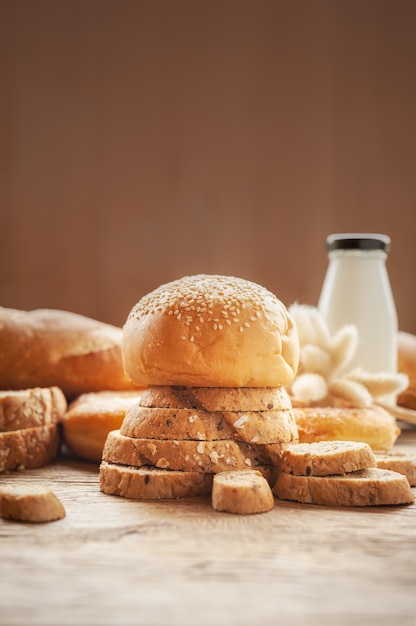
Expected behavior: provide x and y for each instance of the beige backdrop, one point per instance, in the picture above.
(142, 140)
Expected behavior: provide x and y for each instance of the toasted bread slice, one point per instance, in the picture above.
(28, 448)
(30, 503)
(324, 458)
(399, 462)
(369, 487)
(28, 408)
(242, 492)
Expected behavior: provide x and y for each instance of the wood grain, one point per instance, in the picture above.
(112, 561)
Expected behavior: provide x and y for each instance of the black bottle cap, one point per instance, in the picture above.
(358, 241)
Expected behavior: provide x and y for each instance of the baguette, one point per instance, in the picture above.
(29, 408)
(152, 483)
(242, 492)
(369, 487)
(28, 448)
(324, 458)
(30, 503)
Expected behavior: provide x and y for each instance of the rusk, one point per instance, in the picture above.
(30, 503)
(402, 463)
(243, 492)
(28, 448)
(29, 408)
(370, 487)
(152, 483)
(324, 458)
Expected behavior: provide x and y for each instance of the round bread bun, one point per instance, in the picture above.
(406, 364)
(210, 331)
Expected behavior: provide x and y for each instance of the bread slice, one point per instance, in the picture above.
(30, 503)
(152, 483)
(324, 458)
(217, 398)
(91, 417)
(242, 492)
(274, 426)
(188, 455)
(369, 487)
(28, 448)
(399, 462)
(28, 408)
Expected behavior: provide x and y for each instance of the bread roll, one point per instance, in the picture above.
(47, 347)
(406, 364)
(210, 331)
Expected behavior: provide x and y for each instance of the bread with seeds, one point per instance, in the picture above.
(28, 448)
(188, 455)
(30, 503)
(241, 492)
(369, 487)
(28, 408)
(324, 458)
(152, 483)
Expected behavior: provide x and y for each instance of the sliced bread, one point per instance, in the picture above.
(242, 492)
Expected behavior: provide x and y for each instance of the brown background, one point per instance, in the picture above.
(142, 140)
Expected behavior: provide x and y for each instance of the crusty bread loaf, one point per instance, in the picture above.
(372, 425)
(399, 462)
(90, 418)
(243, 492)
(190, 331)
(30, 503)
(152, 483)
(369, 487)
(187, 455)
(29, 408)
(406, 364)
(28, 448)
(48, 347)
(217, 398)
(323, 458)
(250, 426)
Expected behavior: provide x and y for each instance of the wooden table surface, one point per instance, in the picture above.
(118, 562)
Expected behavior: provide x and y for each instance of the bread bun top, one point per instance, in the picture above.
(406, 364)
(210, 331)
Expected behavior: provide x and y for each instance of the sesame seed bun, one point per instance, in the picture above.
(210, 331)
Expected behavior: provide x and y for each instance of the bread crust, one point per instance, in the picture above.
(372, 425)
(150, 483)
(91, 417)
(369, 487)
(28, 408)
(187, 455)
(325, 458)
(28, 448)
(48, 347)
(30, 503)
(241, 492)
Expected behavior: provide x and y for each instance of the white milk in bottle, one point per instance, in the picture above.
(356, 290)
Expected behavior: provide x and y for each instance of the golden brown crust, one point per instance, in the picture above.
(217, 398)
(191, 456)
(30, 503)
(249, 426)
(210, 331)
(91, 417)
(242, 492)
(28, 448)
(370, 487)
(372, 425)
(151, 483)
(48, 347)
(28, 408)
(323, 458)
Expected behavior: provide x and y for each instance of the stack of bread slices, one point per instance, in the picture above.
(29, 427)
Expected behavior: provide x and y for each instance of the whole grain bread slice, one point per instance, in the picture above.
(243, 492)
(369, 487)
(152, 483)
(28, 408)
(325, 458)
(28, 448)
(217, 398)
(189, 455)
(30, 503)
(399, 462)
(274, 426)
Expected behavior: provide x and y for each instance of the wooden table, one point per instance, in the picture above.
(117, 562)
